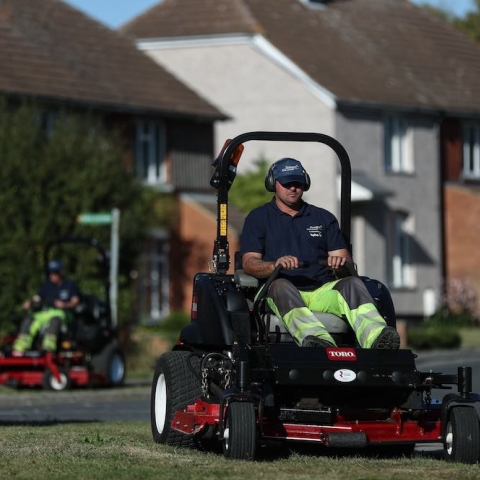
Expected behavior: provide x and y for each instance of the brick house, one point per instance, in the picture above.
(384, 77)
(64, 60)
(461, 197)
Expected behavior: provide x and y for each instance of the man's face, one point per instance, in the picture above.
(290, 193)
(55, 276)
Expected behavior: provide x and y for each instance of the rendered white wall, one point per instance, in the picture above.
(258, 94)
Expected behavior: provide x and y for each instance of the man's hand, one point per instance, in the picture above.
(342, 264)
(335, 262)
(60, 304)
(288, 262)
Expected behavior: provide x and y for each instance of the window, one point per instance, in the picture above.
(400, 229)
(45, 120)
(471, 150)
(320, 4)
(398, 146)
(150, 152)
(153, 281)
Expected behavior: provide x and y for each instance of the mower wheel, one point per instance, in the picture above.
(240, 434)
(462, 436)
(110, 363)
(174, 386)
(51, 383)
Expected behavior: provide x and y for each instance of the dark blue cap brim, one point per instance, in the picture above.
(291, 178)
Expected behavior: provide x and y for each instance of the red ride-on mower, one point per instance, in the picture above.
(237, 378)
(88, 352)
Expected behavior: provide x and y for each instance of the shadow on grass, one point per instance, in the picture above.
(278, 450)
(42, 423)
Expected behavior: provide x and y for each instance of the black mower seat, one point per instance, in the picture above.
(91, 308)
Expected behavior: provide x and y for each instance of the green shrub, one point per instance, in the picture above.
(169, 326)
(429, 337)
(175, 322)
(446, 317)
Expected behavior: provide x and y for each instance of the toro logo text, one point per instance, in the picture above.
(342, 354)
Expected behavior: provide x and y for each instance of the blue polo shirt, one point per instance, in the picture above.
(309, 236)
(49, 291)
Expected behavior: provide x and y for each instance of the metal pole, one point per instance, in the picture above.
(114, 254)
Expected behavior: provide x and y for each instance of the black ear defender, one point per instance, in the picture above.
(270, 179)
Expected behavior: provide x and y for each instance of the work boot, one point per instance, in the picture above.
(388, 339)
(312, 341)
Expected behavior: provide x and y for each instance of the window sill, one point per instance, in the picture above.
(470, 179)
(390, 173)
(402, 289)
(160, 187)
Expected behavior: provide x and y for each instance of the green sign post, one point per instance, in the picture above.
(108, 218)
(95, 218)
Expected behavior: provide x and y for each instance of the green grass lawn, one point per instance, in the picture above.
(126, 451)
(470, 338)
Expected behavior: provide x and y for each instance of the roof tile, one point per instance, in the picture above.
(48, 49)
(377, 52)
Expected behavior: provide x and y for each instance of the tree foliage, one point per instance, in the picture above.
(46, 181)
(248, 189)
(445, 15)
(470, 25)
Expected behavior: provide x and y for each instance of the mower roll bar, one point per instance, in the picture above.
(225, 174)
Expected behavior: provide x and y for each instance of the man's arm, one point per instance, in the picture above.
(253, 264)
(73, 302)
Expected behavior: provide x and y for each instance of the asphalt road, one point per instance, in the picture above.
(128, 403)
(445, 361)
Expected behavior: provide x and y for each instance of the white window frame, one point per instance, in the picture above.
(150, 151)
(398, 145)
(314, 4)
(154, 295)
(471, 150)
(401, 271)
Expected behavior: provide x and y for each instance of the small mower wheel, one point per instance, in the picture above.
(110, 363)
(462, 436)
(240, 435)
(174, 387)
(51, 383)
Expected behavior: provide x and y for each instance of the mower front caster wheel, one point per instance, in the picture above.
(462, 436)
(51, 383)
(240, 434)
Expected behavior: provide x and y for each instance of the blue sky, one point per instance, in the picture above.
(114, 13)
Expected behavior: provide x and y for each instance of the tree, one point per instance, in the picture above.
(470, 25)
(445, 15)
(248, 189)
(46, 180)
